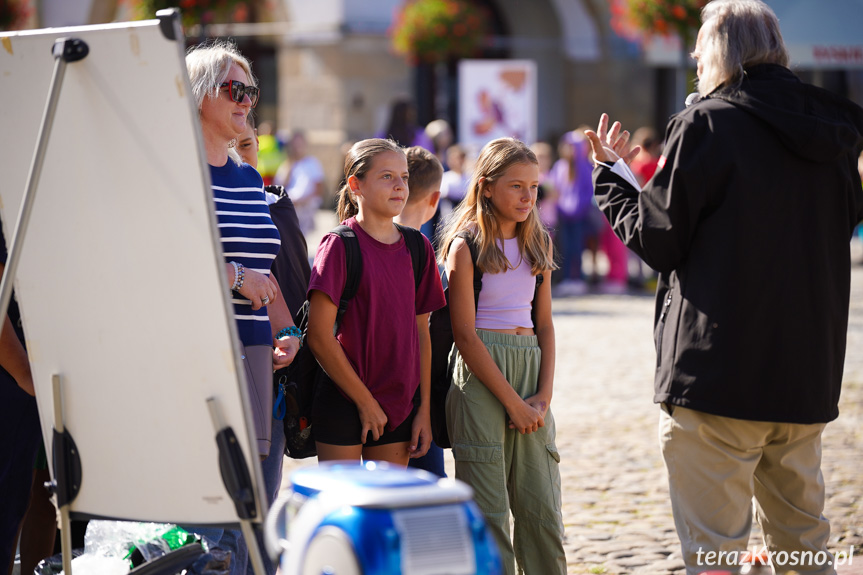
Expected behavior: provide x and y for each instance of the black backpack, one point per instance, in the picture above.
(443, 361)
(299, 380)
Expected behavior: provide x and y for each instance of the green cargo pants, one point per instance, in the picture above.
(509, 471)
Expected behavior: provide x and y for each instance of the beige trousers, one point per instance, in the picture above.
(718, 465)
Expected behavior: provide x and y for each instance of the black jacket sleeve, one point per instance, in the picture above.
(658, 223)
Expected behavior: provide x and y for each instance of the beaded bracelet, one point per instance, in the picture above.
(292, 331)
(239, 276)
(236, 275)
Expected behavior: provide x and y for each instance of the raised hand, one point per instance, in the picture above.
(610, 145)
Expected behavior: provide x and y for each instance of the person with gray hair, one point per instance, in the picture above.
(224, 89)
(751, 320)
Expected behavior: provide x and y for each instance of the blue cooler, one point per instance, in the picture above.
(348, 518)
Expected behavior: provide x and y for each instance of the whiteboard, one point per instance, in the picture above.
(121, 278)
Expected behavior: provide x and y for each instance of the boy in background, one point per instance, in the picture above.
(424, 178)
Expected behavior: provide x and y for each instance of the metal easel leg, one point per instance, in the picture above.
(255, 556)
(59, 484)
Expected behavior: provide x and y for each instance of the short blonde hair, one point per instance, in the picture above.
(208, 65)
(735, 35)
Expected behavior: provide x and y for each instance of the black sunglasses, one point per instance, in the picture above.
(238, 90)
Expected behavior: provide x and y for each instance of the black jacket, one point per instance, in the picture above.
(748, 219)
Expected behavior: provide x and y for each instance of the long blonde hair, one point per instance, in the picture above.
(357, 163)
(477, 215)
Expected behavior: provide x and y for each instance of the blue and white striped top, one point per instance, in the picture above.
(249, 237)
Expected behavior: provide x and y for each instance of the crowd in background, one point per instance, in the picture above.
(591, 258)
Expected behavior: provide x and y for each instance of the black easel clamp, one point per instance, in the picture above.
(235, 474)
(70, 49)
(67, 467)
(169, 22)
(238, 483)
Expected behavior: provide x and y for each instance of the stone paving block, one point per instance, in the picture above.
(666, 566)
(594, 559)
(664, 552)
(639, 533)
(641, 561)
(597, 536)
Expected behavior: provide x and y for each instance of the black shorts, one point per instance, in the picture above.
(336, 420)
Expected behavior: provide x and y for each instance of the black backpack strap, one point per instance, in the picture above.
(533, 302)
(353, 266)
(417, 247)
(539, 280)
(470, 240)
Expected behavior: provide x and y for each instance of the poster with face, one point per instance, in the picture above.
(497, 99)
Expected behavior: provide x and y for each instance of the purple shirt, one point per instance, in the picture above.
(574, 183)
(420, 139)
(506, 298)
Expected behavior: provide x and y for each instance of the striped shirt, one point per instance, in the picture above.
(249, 237)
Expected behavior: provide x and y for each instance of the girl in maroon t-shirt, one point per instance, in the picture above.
(381, 354)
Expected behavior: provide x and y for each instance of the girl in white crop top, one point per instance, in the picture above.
(498, 416)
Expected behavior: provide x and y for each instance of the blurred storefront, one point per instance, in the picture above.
(338, 74)
(823, 38)
(328, 66)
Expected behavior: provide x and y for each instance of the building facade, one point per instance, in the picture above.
(327, 66)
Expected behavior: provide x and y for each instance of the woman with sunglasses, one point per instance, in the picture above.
(224, 90)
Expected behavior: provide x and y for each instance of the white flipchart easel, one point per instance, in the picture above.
(118, 272)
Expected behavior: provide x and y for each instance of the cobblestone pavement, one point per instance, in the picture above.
(615, 497)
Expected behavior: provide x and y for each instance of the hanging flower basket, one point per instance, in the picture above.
(639, 19)
(433, 31)
(198, 11)
(14, 14)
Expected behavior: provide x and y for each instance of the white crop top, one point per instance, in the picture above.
(505, 299)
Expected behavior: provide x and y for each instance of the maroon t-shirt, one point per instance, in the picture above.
(378, 332)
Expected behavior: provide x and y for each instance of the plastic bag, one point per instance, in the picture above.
(89, 564)
(118, 538)
(136, 543)
(53, 565)
(174, 538)
(96, 565)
